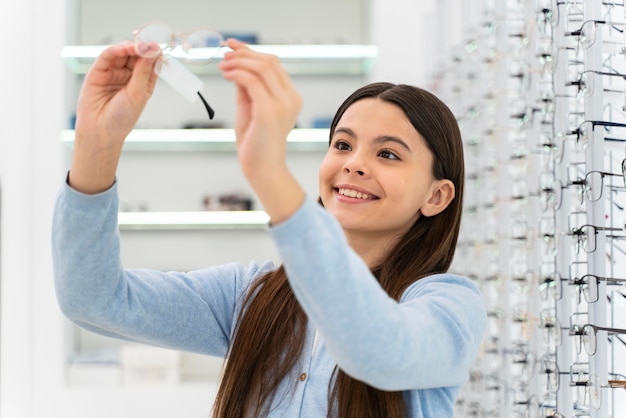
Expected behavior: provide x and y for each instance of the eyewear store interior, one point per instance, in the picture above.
(539, 90)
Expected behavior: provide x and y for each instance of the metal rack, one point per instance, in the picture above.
(539, 89)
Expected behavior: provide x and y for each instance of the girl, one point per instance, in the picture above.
(361, 319)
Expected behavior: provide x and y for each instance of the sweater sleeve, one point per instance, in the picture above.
(429, 339)
(190, 311)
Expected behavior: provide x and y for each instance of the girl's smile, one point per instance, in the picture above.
(377, 173)
(353, 194)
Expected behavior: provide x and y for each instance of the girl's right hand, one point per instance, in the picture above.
(114, 93)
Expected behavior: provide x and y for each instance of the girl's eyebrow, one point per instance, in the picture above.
(379, 140)
(386, 138)
(347, 131)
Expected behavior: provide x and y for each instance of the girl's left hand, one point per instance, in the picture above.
(267, 107)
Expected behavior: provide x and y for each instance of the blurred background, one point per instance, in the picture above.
(538, 88)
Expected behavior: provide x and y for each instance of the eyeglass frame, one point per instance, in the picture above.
(579, 32)
(177, 39)
(583, 331)
(581, 138)
(586, 187)
(579, 83)
(580, 282)
(579, 234)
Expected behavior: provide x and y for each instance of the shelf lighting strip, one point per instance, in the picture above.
(188, 220)
(206, 139)
(298, 59)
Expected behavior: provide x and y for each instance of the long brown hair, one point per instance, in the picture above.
(271, 326)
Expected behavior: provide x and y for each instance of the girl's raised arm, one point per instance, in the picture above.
(114, 93)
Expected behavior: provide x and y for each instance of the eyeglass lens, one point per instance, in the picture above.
(198, 46)
(208, 41)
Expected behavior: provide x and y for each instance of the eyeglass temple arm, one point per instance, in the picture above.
(606, 228)
(609, 280)
(579, 230)
(612, 330)
(610, 123)
(208, 108)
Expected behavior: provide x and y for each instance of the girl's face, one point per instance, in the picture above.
(377, 173)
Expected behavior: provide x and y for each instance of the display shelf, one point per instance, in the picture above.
(206, 140)
(297, 59)
(192, 400)
(188, 220)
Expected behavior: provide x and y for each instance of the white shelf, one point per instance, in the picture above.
(190, 400)
(297, 59)
(188, 220)
(206, 140)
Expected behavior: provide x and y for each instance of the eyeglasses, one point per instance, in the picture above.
(593, 183)
(584, 131)
(521, 276)
(548, 235)
(553, 146)
(587, 387)
(617, 381)
(525, 405)
(587, 336)
(585, 83)
(551, 285)
(586, 236)
(551, 328)
(196, 47)
(586, 34)
(550, 192)
(519, 231)
(523, 363)
(588, 285)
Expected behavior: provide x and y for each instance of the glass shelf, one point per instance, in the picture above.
(188, 220)
(206, 140)
(297, 59)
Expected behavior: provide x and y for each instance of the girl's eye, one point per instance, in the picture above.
(388, 155)
(342, 146)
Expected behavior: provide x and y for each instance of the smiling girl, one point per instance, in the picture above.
(360, 319)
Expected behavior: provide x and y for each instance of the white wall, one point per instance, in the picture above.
(414, 38)
(31, 97)
(275, 21)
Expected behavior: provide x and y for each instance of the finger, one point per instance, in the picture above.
(235, 44)
(266, 68)
(261, 74)
(143, 78)
(113, 66)
(240, 49)
(265, 85)
(254, 72)
(148, 49)
(253, 91)
(115, 56)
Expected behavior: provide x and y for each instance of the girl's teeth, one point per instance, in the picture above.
(353, 193)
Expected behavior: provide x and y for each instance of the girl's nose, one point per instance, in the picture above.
(355, 165)
(359, 172)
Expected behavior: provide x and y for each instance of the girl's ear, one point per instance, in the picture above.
(442, 193)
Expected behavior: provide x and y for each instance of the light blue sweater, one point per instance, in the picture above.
(423, 345)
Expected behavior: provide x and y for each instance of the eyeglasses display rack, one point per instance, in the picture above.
(539, 90)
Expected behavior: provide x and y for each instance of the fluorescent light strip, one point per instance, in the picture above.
(298, 59)
(295, 52)
(192, 220)
(193, 139)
